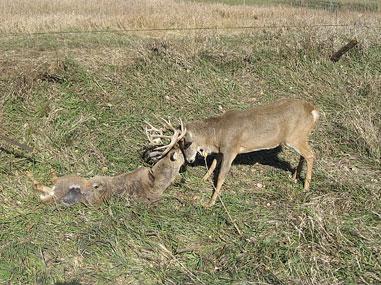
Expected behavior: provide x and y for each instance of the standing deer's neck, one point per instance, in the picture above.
(204, 132)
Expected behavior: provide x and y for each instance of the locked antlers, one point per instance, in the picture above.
(155, 136)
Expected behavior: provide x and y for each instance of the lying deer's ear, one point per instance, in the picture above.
(174, 156)
(151, 178)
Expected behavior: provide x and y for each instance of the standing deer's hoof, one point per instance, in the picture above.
(295, 176)
(205, 178)
(210, 204)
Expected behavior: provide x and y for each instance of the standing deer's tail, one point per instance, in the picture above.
(315, 115)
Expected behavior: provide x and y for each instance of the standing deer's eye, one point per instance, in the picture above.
(187, 145)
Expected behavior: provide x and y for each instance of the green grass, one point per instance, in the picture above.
(80, 101)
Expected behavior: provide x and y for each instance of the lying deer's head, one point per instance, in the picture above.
(70, 190)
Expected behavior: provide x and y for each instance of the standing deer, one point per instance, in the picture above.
(287, 121)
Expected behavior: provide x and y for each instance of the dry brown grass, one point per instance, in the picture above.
(22, 16)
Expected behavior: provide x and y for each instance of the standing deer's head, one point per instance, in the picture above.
(190, 147)
(197, 140)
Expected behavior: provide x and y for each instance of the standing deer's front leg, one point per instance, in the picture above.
(226, 162)
(210, 170)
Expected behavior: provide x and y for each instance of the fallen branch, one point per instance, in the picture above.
(15, 143)
(337, 55)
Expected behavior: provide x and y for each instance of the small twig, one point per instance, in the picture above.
(190, 274)
(230, 217)
(222, 202)
(13, 142)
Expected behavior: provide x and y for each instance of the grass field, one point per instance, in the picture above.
(80, 100)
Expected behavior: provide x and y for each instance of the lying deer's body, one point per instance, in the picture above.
(287, 121)
(147, 184)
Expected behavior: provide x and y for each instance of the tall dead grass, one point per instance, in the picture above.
(22, 16)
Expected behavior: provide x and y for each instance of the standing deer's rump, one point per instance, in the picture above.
(287, 121)
(146, 184)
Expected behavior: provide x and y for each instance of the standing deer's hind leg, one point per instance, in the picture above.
(305, 150)
(298, 169)
(226, 163)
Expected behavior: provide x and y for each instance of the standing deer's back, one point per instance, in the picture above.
(262, 127)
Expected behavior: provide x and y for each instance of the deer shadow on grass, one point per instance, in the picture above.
(265, 157)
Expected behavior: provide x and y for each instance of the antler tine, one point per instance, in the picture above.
(153, 134)
(170, 145)
(178, 135)
(152, 127)
(167, 124)
(183, 130)
(148, 135)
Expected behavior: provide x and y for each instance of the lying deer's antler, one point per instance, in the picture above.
(155, 135)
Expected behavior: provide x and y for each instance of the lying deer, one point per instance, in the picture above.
(147, 184)
(287, 121)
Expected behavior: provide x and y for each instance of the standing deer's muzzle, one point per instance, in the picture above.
(191, 160)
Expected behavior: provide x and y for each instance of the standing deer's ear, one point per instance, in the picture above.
(189, 136)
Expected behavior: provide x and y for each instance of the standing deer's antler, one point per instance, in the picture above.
(155, 135)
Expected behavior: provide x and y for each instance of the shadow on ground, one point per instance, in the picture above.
(264, 157)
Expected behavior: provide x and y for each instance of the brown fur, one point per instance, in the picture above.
(147, 184)
(287, 121)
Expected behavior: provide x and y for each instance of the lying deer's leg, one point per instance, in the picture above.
(298, 169)
(307, 153)
(226, 163)
(54, 176)
(210, 170)
(48, 192)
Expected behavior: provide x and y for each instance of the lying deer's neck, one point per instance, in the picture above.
(164, 175)
(118, 184)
